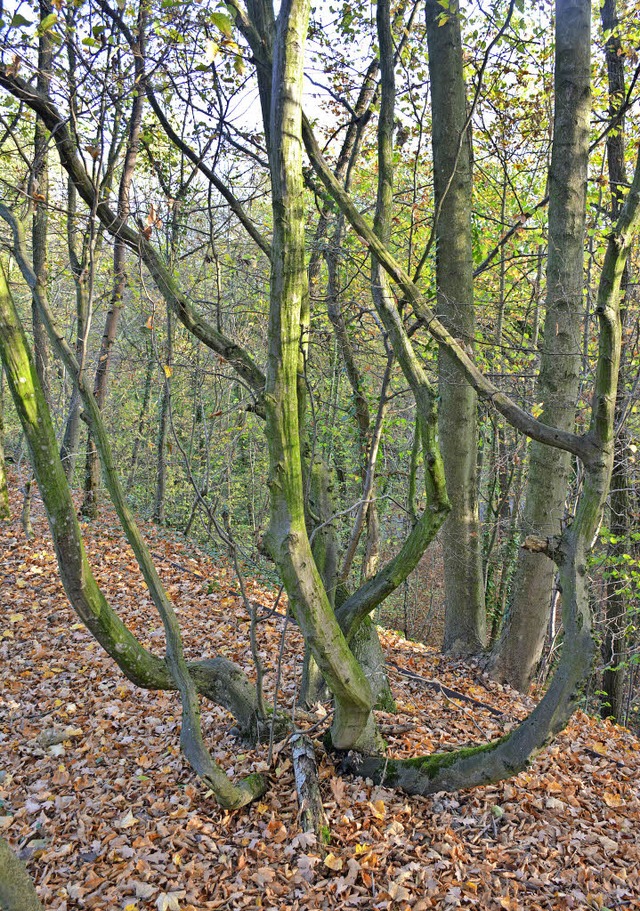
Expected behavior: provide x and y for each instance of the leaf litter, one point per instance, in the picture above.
(97, 800)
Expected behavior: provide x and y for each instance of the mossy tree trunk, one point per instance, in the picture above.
(505, 757)
(510, 754)
(17, 892)
(287, 536)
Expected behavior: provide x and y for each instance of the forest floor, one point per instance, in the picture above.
(96, 798)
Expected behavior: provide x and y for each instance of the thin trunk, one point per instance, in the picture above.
(92, 471)
(39, 189)
(520, 645)
(614, 646)
(142, 418)
(163, 430)
(79, 269)
(5, 509)
(464, 631)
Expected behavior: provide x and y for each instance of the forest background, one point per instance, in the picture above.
(200, 282)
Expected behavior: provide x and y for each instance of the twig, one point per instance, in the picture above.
(447, 691)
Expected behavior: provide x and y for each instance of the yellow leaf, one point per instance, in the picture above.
(212, 48)
(15, 618)
(378, 809)
(333, 862)
(362, 849)
(168, 371)
(613, 800)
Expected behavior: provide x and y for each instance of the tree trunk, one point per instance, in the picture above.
(142, 417)
(614, 646)
(163, 429)
(17, 892)
(79, 267)
(465, 624)
(92, 470)
(39, 189)
(510, 754)
(5, 509)
(287, 536)
(520, 645)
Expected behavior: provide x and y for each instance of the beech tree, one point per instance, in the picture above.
(518, 651)
(280, 396)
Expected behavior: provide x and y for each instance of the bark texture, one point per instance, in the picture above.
(520, 645)
(17, 892)
(465, 625)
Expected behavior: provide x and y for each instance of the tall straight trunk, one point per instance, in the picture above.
(80, 270)
(5, 510)
(465, 623)
(92, 471)
(39, 189)
(142, 418)
(163, 429)
(614, 645)
(520, 645)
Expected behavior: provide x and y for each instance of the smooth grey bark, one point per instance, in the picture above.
(520, 645)
(465, 624)
(615, 644)
(5, 509)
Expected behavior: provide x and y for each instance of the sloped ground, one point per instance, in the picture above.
(95, 795)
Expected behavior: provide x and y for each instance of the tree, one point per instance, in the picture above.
(280, 395)
(464, 592)
(520, 645)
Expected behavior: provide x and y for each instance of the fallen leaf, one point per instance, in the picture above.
(333, 862)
